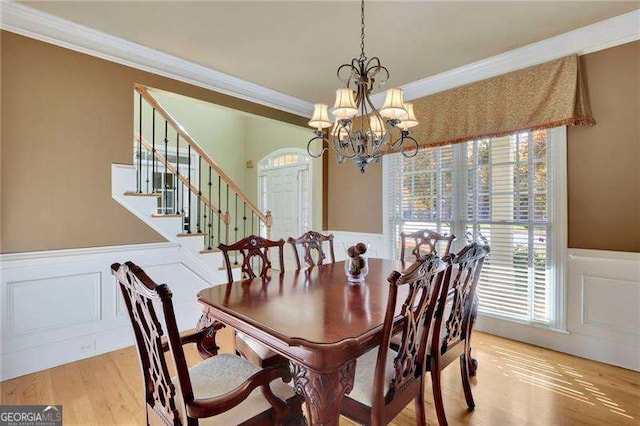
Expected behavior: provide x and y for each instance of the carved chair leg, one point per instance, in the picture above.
(437, 393)
(472, 364)
(280, 408)
(296, 416)
(466, 385)
(421, 415)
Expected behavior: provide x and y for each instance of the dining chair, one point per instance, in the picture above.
(386, 380)
(453, 323)
(255, 258)
(431, 241)
(220, 390)
(312, 241)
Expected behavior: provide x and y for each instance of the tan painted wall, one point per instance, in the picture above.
(354, 200)
(604, 161)
(603, 165)
(66, 117)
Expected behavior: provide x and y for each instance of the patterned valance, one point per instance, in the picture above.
(542, 96)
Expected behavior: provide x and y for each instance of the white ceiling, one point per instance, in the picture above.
(295, 47)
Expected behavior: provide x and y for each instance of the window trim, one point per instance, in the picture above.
(559, 247)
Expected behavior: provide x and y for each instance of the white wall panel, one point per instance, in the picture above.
(602, 299)
(42, 304)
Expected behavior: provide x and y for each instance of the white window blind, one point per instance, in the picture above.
(499, 190)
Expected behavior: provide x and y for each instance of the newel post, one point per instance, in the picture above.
(268, 223)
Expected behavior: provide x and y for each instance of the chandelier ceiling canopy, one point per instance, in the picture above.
(360, 131)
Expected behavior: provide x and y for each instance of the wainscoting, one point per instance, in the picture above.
(603, 311)
(63, 305)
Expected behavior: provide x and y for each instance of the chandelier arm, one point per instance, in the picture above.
(337, 144)
(416, 146)
(400, 142)
(348, 80)
(372, 69)
(324, 149)
(386, 133)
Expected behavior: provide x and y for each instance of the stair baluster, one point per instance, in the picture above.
(176, 183)
(153, 150)
(139, 174)
(189, 199)
(226, 238)
(219, 207)
(165, 207)
(198, 228)
(235, 229)
(210, 224)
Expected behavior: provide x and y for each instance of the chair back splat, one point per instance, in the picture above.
(255, 253)
(310, 241)
(424, 242)
(139, 293)
(255, 256)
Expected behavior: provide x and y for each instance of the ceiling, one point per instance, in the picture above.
(295, 47)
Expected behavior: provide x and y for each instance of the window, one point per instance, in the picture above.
(500, 190)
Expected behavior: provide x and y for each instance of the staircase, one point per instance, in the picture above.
(177, 189)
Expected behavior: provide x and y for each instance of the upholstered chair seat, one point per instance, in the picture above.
(260, 350)
(220, 374)
(365, 369)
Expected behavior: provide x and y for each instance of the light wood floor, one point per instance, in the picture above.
(517, 384)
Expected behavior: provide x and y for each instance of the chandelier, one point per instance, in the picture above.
(360, 131)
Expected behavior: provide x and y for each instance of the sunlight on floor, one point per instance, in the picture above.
(557, 378)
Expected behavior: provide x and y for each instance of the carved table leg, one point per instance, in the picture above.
(323, 391)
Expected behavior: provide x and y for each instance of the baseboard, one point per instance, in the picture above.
(577, 344)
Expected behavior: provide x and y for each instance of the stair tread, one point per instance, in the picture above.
(142, 194)
(213, 250)
(233, 266)
(193, 234)
(167, 215)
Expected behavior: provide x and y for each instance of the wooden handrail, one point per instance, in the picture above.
(185, 181)
(144, 92)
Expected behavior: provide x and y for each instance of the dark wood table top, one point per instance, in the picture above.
(310, 308)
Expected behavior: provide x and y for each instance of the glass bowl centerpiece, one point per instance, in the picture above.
(356, 265)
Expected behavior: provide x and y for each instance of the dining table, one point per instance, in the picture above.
(315, 318)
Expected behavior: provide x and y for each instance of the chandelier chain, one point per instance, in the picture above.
(363, 57)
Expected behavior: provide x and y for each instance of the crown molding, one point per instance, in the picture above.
(33, 23)
(592, 38)
(30, 22)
